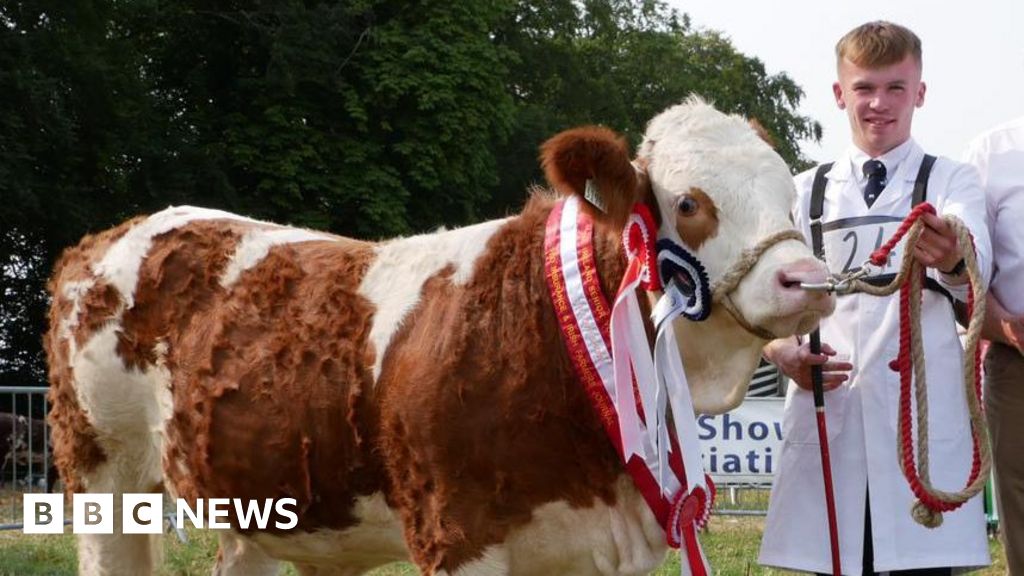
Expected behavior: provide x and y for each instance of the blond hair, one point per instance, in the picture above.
(878, 44)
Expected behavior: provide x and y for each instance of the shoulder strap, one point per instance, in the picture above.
(817, 208)
(920, 195)
(921, 184)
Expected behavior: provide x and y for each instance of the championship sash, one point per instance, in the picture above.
(631, 392)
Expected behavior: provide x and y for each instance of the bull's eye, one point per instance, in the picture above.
(688, 206)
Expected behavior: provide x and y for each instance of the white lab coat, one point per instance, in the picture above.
(862, 414)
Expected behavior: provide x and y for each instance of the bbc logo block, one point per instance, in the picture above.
(43, 513)
(93, 513)
(143, 513)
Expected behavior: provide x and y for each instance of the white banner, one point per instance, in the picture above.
(743, 446)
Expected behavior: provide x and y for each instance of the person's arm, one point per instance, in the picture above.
(938, 246)
(1001, 326)
(794, 359)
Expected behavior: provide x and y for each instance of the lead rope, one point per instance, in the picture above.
(931, 502)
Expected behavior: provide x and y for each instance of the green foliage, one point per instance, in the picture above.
(66, 109)
(369, 118)
(739, 84)
(618, 63)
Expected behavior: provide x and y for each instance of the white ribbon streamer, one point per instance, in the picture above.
(625, 342)
(671, 378)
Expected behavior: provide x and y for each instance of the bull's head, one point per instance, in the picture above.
(716, 188)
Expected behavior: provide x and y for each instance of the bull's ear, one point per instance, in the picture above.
(593, 162)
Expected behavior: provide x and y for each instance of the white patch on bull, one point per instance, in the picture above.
(494, 563)
(73, 291)
(691, 145)
(620, 540)
(375, 540)
(395, 279)
(255, 245)
(162, 388)
(120, 265)
(127, 409)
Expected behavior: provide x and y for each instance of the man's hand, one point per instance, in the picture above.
(938, 246)
(1013, 331)
(795, 361)
(1000, 325)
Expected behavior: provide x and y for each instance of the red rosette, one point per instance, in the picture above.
(638, 240)
(691, 510)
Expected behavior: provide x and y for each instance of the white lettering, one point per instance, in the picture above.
(216, 512)
(142, 513)
(196, 517)
(281, 510)
(245, 513)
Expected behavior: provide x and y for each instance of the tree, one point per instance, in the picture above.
(620, 62)
(67, 103)
(369, 118)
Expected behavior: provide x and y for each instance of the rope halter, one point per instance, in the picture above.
(722, 289)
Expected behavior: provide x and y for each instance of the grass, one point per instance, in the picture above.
(730, 542)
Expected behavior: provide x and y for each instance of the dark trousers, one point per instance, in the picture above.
(869, 556)
(1004, 398)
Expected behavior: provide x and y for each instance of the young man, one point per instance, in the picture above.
(866, 194)
(999, 156)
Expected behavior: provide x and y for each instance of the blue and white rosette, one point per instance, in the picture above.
(685, 281)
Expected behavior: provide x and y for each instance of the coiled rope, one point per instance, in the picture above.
(931, 502)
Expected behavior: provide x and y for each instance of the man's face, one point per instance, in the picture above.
(880, 102)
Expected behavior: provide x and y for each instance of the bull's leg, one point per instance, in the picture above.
(118, 553)
(238, 556)
(129, 465)
(85, 467)
(108, 430)
(490, 565)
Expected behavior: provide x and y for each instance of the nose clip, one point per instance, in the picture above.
(828, 286)
(839, 284)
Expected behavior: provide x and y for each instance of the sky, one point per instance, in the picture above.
(973, 56)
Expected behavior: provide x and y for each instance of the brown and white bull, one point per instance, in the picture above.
(414, 396)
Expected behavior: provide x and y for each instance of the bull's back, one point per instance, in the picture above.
(278, 399)
(166, 335)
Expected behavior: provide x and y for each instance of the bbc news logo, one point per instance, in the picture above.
(143, 513)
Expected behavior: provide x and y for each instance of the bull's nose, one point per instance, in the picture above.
(797, 274)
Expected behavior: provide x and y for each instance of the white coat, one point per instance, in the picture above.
(862, 414)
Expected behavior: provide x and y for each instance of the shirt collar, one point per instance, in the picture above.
(892, 159)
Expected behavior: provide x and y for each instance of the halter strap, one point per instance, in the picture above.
(722, 290)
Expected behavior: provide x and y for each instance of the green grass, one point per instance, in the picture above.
(730, 542)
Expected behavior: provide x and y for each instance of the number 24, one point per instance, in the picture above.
(851, 236)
